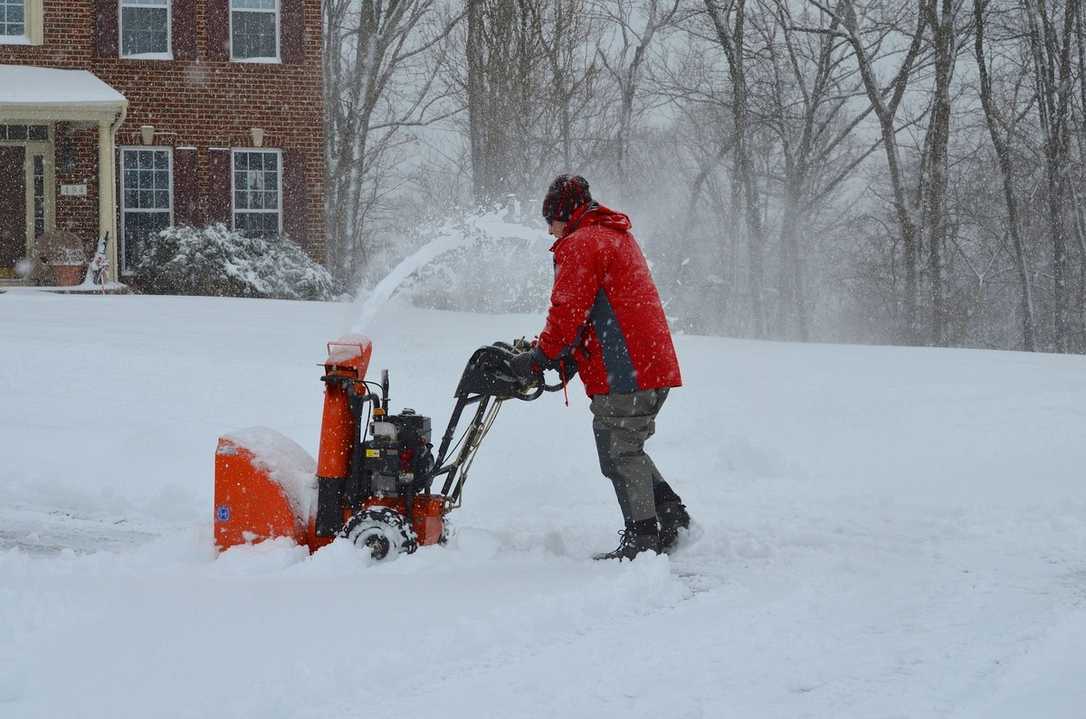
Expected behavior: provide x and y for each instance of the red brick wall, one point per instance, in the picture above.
(201, 103)
(77, 164)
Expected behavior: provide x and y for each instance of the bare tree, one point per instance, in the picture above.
(1001, 128)
(866, 43)
(940, 16)
(637, 24)
(1051, 53)
(565, 29)
(369, 46)
(506, 95)
(812, 109)
(729, 21)
(1079, 210)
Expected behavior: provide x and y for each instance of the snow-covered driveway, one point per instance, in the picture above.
(884, 532)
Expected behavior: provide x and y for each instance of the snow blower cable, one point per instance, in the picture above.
(488, 422)
(463, 436)
(565, 382)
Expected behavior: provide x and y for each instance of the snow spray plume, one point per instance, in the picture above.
(473, 229)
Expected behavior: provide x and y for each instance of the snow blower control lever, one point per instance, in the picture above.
(375, 471)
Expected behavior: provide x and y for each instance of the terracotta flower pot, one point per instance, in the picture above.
(68, 275)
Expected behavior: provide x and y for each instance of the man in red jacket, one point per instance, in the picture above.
(605, 315)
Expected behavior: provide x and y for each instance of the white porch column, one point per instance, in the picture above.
(107, 195)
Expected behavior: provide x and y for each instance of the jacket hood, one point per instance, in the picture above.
(595, 214)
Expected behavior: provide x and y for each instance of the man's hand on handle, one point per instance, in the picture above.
(528, 366)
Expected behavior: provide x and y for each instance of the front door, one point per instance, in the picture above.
(12, 208)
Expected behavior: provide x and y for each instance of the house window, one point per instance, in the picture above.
(21, 22)
(145, 28)
(12, 18)
(254, 30)
(257, 199)
(146, 199)
(24, 132)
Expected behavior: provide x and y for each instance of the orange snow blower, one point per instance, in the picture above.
(373, 480)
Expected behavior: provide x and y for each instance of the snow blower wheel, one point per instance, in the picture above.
(383, 533)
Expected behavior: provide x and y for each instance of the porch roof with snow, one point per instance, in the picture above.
(45, 93)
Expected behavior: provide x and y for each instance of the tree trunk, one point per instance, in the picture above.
(477, 102)
(942, 26)
(1052, 65)
(1006, 170)
(745, 187)
(886, 113)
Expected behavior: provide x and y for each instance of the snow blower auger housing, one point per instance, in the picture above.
(375, 473)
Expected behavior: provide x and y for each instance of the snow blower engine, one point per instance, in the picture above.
(375, 473)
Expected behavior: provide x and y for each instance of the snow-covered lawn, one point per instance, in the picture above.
(885, 532)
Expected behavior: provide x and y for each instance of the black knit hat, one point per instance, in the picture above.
(566, 194)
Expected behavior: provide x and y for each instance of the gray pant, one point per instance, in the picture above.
(622, 424)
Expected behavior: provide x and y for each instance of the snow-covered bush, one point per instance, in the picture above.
(218, 262)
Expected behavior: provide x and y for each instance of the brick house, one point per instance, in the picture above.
(127, 116)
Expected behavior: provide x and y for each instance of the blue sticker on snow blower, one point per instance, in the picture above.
(222, 513)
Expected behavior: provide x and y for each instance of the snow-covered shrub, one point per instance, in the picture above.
(218, 262)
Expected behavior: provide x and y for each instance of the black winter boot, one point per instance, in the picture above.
(638, 537)
(673, 517)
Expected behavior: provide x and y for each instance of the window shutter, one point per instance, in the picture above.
(183, 19)
(185, 210)
(106, 22)
(294, 196)
(292, 25)
(218, 30)
(219, 201)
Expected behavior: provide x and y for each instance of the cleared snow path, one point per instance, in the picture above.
(45, 532)
(884, 533)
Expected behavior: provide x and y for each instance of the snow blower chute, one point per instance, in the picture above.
(375, 472)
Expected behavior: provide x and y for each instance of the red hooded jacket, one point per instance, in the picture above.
(605, 309)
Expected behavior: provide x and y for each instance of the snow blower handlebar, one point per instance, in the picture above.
(490, 372)
(488, 381)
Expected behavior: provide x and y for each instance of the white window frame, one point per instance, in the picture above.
(233, 191)
(32, 26)
(168, 55)
(120, 168)
(278, 34)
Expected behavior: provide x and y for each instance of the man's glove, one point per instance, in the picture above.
(528, 366)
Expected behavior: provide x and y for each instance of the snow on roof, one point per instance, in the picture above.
(26, 85)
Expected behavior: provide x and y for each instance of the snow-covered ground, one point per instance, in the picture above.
(885, 532)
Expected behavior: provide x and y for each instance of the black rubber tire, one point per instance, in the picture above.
(381, 532)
